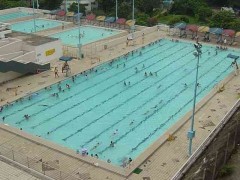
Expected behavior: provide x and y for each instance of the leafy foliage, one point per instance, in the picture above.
(74, 8)
(4, 4)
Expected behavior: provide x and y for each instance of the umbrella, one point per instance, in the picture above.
(217, 31)
(65, 58)
(70, 14)
(228, 32)
(192, 27)
(180, 25)
(121, 21)
(54, 12)
(80, 15)
(101, 18)
(203, 29)
(130, 22)
(90, 17)
(110, 19)
(237, 34)
(61, 13)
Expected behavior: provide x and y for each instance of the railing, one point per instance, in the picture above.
(206, 143)
(47, 168)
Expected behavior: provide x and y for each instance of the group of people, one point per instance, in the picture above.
(65, 68)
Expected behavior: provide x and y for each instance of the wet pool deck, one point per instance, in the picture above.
(162, 164)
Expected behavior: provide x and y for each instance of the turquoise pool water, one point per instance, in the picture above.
(88, 34)
(41, 24)
(12, 16)
(100, 108)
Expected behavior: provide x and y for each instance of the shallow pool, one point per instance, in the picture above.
(88, 34)
(41, 24)
(12, 16)
(131, 101)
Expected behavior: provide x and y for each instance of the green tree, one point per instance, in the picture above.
(50, 4)
(4, 4)
(148, 6)
(203, 13)
(222, 19)
(124, 10)
(107, 5)
(74, 8)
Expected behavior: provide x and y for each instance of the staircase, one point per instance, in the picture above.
(14, 57)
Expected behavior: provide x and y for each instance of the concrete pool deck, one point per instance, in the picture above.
(164, 162)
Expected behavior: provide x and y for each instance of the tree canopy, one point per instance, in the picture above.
(4, 4)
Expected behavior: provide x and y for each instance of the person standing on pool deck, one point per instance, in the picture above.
(56, 72)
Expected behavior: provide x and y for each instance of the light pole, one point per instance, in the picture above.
(66, 6)
(191, 132)
(133, 24)
(34, 18)
(37, 4)
(116, 9)
(234, 63)
(79, 33)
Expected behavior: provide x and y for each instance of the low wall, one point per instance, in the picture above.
(213, 154)
(8, 76)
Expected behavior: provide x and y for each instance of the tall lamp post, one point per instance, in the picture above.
(116, 9)
(234, 63)
(133, 18)
(191, 132)
(34, 18)
(79, 33)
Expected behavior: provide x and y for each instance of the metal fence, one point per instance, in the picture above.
(214, 152)
(49, 169)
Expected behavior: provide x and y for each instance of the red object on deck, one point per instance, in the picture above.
(229, 32)
(121, 21)
(192, 27)
(61, 13)
(91, 17)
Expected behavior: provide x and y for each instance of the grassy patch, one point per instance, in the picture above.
(226, 171)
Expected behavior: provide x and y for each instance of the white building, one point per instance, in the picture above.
(89, 4)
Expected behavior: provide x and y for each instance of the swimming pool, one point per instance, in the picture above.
(131, 101)
(88, 34)
(12, 16)
(41, 24)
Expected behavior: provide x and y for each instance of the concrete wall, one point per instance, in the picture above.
(49, 51)
(9, 76)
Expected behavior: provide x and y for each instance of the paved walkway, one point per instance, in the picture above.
(8, 172)
(162, 164)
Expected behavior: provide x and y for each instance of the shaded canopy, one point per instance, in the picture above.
(91, 17)
(130, 22)
(203, 29)
(180, 25)
(121, 21)
(80, 15)
(217, 31)
(110, 19)
(101, 18)
(61, 13)
(65, 58)
(70, 14)
(237, 34)
(229, 32)
(192, 27)
(54, 12)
